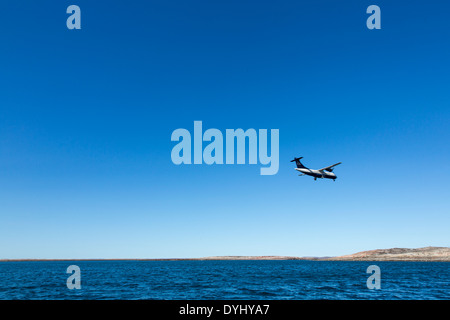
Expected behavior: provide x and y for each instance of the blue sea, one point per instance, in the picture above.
(266, 280)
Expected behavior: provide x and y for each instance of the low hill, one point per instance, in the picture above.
(399, 254)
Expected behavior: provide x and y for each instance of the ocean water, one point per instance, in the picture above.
(199, 280)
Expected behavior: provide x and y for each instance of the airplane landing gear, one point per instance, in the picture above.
(315, 178)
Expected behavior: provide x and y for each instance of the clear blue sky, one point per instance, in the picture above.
(86, 118)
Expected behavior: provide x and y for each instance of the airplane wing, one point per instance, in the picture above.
(329, 167)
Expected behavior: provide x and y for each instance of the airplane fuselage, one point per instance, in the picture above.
(317, 173)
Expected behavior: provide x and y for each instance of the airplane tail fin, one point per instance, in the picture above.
(298, 163)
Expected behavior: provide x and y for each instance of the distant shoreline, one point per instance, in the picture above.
(427, 254)
(218, 258)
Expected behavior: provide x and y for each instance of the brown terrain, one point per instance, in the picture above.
(255, 258)
(394, 254)
(399, 254)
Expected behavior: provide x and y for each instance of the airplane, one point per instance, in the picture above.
(326, 172)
